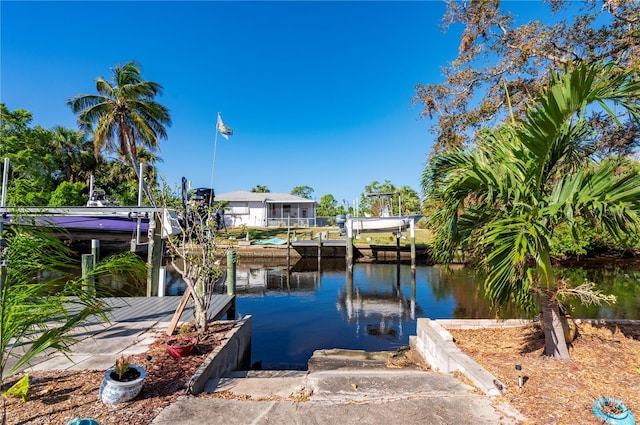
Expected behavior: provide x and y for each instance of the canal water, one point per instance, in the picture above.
(305, 310)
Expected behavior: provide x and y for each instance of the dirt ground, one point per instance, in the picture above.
(605, 361)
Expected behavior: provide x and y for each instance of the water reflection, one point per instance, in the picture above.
(379, 312)
(376, 306)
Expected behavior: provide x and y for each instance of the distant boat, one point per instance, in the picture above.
(382, 224)
(99, 199)
(385, 222)
(91, 220)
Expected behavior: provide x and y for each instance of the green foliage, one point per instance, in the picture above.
(69, 195)
(259, 188)
(368, 204)
(123, 116)
(42, 299)
(121, 366)
(302, 191)
(23, 192)
(327, 207)
(564, 242)
(20, 388)
(501, 201)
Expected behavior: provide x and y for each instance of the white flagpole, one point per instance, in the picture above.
(213, 164)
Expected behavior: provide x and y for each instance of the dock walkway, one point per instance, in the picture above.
(135, 322)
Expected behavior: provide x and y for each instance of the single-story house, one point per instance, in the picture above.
(267, 209)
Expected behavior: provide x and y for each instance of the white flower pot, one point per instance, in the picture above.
(113, 391)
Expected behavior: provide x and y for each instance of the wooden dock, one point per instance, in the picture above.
(134, 324)
(161, 309)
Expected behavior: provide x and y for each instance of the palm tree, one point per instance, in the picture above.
(502, 200)
(259, 188)
(123, 114)
(74, 153)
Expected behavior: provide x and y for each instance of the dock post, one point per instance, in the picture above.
(95, 249)
(154, 253)
(319, 249)
(288, 243)
(162, 278)
(398, 236)
(412, 233)
(89, 284)
(231, 282)
(231, 272)
(349, 244)
(413, 295)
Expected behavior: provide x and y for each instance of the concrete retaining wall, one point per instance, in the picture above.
(435, 344)
(233, 354)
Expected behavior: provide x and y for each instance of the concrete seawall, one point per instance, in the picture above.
(363, 253)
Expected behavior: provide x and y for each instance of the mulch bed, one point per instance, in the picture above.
(605, 361)
(56, 397)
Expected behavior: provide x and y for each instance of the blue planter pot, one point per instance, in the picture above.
(625, 417)
(113, 391)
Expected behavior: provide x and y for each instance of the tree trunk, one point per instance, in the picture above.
(136, 167)
(555, 344)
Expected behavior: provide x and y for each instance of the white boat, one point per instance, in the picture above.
(385, 222)
(381, 224)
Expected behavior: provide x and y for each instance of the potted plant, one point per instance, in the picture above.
(182, 344)
(122, 382)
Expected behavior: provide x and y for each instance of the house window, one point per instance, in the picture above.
(304, 213)
(286, 210)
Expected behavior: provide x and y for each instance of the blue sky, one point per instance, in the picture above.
(317, 93)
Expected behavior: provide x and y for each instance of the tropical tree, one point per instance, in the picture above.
(408, 201)
(302, 191)
(260, 189)
(502, 200)
(69, 194)
(34, 164)
(75, 154)
(123, 115)
(370, 199)
(327, 207)
(498, 50)
(199, 268)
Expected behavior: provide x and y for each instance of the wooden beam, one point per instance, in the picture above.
(179, 310)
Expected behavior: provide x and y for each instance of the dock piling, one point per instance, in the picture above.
(231, 282)
(319, 250)
(95, 249)
(412, 234)
(349, 225)
(154, 253)
(89, 284)
(162, 279)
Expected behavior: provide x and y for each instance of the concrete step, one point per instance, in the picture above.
(336, 386)
(338, 359)
(259, 384)
(381, 385)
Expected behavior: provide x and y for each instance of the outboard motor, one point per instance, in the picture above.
(341, 219)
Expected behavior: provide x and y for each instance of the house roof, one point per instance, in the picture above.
(244, 196)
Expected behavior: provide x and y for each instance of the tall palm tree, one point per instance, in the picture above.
(123, 114)
(502, 200)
